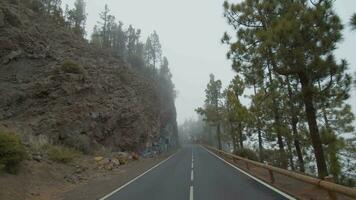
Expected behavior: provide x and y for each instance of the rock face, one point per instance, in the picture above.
(54, 83)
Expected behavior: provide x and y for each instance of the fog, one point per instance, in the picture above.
(190, 33)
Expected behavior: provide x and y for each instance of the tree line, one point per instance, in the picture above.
(283, 56)
(146, 57)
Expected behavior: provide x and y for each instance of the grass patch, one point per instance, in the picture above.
(78, 142)
(12, 152)
(69, 66)
(61, 154)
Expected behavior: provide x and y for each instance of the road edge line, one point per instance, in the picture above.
(137, 177)
(254, 178)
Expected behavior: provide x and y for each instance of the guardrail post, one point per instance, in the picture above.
(271, 176)
(332, 195)
(247, 167)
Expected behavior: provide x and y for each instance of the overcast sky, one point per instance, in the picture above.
(190, 33)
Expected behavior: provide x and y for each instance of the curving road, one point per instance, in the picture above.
(193, 173)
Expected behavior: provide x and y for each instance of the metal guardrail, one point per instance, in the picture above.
(332, 188)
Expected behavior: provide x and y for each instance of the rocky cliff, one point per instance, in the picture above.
(56, 87)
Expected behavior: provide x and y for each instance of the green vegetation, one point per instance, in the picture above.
(283, 51)
(211, 111)
(247, 153)
(69, 66)
(61, 154)
(353, 22)
(78, 142)
(76, 17)
(12, 152)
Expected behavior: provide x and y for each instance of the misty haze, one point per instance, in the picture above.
(177, 100)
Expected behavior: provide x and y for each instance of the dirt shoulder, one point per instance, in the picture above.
(102, 185)
(82, 179)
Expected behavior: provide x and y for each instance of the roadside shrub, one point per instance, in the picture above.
(69, 66)
(61, 154)
(247, 153)
(12, 152)
(78, 142)
(273, 157)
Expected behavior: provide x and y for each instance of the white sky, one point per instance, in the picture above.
(190, 33)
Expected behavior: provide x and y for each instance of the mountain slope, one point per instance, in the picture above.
(57, 88)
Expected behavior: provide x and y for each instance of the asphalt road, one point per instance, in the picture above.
(194, 174)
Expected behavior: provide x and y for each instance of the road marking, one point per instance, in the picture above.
(191, 193)
(254, 178)
(192, 156)
(128, 183)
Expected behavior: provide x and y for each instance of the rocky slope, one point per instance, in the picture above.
(57, 88)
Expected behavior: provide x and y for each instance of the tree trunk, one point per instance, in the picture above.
(219, 136)
(312, 123)
(259, 133)
(282, 152)
(290, 154)
(232, 133)
(294, 123)
(297, 147)
(241, 141)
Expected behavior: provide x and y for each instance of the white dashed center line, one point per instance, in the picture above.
(191, 192)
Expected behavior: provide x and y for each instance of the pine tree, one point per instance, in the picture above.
(294, 112)
(51, 7)
(77, 16)
(212, 109)
(293, 38)
(104, 16)
(353, 22)
(96, 38)
(153, 50)
(236, 114)
(119, 40)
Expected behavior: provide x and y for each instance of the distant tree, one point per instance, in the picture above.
(164, 71)
(353, 22)
(135, 48)
(153, 50)
(51, 7)
(77, 17)
(165, 76)
(119, 39)
(105, 17)
(148, 52)
(96, 38)
(212, 109)
(235, 113)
